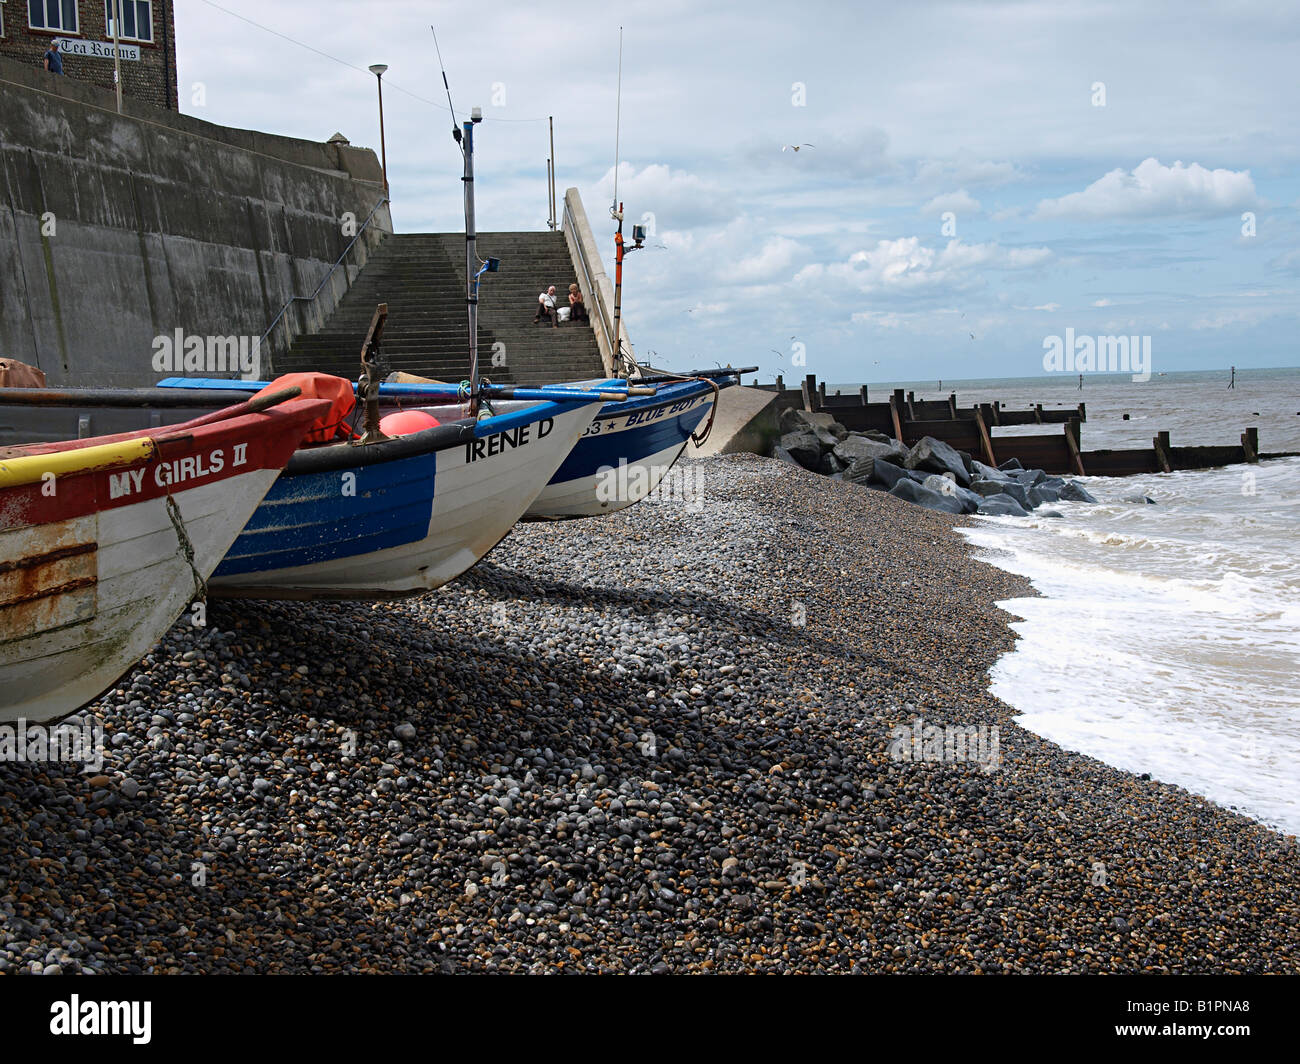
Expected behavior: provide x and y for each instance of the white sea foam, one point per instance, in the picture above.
(1168, 637)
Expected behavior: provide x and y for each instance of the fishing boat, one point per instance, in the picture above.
(631, 444)
(621, 457)
(404, 514)
(373, 517)
(104, 541)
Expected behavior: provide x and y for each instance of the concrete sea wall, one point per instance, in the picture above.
(118, 229)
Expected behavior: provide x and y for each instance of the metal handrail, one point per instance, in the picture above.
(330, 273)
(597, 296)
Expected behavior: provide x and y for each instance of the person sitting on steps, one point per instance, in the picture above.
(578, 309)
(546, 307)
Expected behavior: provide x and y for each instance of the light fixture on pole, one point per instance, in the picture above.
(117, 53)
(378, 70)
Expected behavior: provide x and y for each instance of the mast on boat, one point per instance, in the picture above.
(620, 251)
(466, 136)
(616, 212)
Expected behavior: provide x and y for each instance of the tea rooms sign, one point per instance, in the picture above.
(96, 49)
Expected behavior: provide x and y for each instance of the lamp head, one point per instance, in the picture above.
(378, 69)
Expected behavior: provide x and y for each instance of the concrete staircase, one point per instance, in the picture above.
(421, 276)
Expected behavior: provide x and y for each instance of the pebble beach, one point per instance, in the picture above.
(653, 742)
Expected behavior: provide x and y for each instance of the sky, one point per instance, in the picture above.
(973, 178)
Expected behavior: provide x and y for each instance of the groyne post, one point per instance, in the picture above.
(811, 397)
(1161, 444)
(985, 441)
(1072, 442)
(896, 412)
(1250, 444)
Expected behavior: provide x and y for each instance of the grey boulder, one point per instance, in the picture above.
(922, 496)
(1028, 477)
(1001, 506)
(937, 457)
(990, 488)
(887, 473)
(1075, 492)
(805, 448)
(854, 447)
(830, 464)
(980, 471)
(1042, 493)
(945, 485)
(861, 471)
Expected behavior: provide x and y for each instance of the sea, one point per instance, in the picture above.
(1167, 637)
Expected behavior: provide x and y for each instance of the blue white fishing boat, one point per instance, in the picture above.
(403, 515)
(621, 457)
(628, 449)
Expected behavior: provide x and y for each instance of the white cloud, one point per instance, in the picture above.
(774, 258)
(1101, 303)
(861, 153)
(1153, 190)
(886, 319)
(1289, 261)
(1224, 318)
(967, 171)
(1049, 307)
(959, 202)
(906, 263)
(677, 199)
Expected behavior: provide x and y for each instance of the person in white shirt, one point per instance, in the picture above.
(546, 307)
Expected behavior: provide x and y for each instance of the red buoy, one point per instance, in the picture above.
(405, 422)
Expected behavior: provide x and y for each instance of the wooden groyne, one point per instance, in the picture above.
(973, 429)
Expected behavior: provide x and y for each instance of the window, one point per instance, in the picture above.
(137, 19)
(52, 15)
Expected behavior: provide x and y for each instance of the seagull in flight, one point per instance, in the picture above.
(796, 147)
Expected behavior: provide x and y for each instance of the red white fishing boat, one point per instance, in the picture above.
(104, 541)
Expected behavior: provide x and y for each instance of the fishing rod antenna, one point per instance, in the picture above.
(614, 212)
(455, 126)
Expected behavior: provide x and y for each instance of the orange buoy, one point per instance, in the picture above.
(405, 422)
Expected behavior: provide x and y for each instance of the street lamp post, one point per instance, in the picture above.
(117, 53)
(378, 70)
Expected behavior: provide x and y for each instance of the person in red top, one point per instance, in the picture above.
(578, 311)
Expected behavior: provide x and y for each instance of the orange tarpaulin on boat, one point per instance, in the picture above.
(15, 374)
(333, 423)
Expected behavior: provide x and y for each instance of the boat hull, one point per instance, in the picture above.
(403, 526)
(93, 573)
(624, 455)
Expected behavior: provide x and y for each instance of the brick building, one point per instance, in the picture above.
(146, 38)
